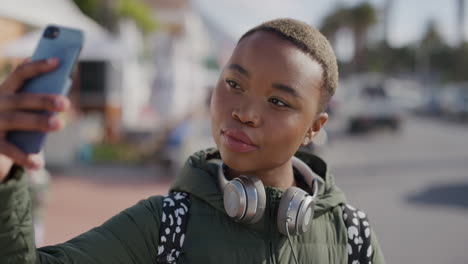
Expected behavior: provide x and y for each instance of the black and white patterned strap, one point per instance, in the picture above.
(173, 226)
(359, 235)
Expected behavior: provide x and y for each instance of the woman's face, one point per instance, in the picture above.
(265, 103)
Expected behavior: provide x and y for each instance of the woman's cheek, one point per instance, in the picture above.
(284, 131)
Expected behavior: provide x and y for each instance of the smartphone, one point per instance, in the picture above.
(56, 42)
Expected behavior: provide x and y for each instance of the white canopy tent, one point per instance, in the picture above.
(128, 82)
(99, 44)
(95, 47)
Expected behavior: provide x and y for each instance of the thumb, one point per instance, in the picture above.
(37, 160)
(25, 72)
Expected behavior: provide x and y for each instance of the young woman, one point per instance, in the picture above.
(250, 200)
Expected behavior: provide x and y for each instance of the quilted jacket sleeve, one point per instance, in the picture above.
(129, 237)
(377, 257)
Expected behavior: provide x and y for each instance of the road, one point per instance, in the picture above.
(413, 185)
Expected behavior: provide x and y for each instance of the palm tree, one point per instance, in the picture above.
(461, 21)
(430, 42)
(386, 23)
(432, 39)
(333, 22)
(361, 18)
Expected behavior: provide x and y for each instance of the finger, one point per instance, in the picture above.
(30, 101)
(19, 157)
(29, 122)
(36, 161)
(26, 61)
(27, 71)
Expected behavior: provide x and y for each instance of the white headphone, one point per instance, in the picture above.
(245, 199)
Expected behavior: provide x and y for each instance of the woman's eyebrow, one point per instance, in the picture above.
(287, 89)
(240, 69)
(278, 86)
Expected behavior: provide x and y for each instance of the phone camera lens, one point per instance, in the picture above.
(51, 32)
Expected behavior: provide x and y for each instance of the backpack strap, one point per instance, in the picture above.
(175, 217)
(173, 226)
(359, 235)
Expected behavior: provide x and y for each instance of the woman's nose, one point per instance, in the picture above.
(247, 115)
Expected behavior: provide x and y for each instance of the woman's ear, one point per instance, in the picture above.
(315, 128)
(318, 124)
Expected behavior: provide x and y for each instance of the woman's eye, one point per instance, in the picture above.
(233, 84)
(278, 102)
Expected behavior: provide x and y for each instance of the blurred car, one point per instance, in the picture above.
(372, 108)
(454, 100)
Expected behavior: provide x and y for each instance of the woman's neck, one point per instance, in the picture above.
(280, 177)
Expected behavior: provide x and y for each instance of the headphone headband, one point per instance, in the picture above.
(309, 176)
(245, 199)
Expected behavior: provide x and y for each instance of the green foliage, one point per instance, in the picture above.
(432, 39)
(362, 16)
(88, 7)
(107, 13)
(211, 63)
(115, 153)
(383, 58)
(359, 19)
(334, 21)
(431, 54)
(139, 12)
(446, 62)
(5, 70)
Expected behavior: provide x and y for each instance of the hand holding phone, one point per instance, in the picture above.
(32, 93)
(56, 42)
(16, 112)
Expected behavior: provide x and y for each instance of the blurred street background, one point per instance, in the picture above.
(396, 140)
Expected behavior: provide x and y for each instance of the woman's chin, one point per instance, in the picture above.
(239, 161)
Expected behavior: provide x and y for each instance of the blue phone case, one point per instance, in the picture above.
(56, 42)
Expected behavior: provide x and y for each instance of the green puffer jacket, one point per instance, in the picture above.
(212, 237)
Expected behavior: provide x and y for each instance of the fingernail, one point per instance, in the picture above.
(53, 122)
(34, 167)
(59, 104)
(36, 163)
(52, 61)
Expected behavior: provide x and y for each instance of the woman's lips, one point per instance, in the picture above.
(237, 140)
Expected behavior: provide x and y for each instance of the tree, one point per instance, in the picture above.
(386, 23)
(361, 18)
(139, 12)
(461, 21)
(434, 56)
(108, 12)
(333, 22)
(432, 39)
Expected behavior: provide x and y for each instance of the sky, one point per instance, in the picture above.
(408, 18)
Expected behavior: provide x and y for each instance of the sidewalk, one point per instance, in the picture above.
(84, 197)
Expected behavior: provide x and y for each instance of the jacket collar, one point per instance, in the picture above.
(199, 178)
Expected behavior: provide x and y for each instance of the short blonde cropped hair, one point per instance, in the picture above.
(313, 43)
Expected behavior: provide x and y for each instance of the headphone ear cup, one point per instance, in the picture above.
(260, 203)
(256, 199)
(245, 199)
(235, 199)
(295, 212)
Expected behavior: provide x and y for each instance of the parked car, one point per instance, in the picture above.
(372, 108)
(454, 100)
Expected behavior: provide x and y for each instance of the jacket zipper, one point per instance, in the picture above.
(271, 255)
